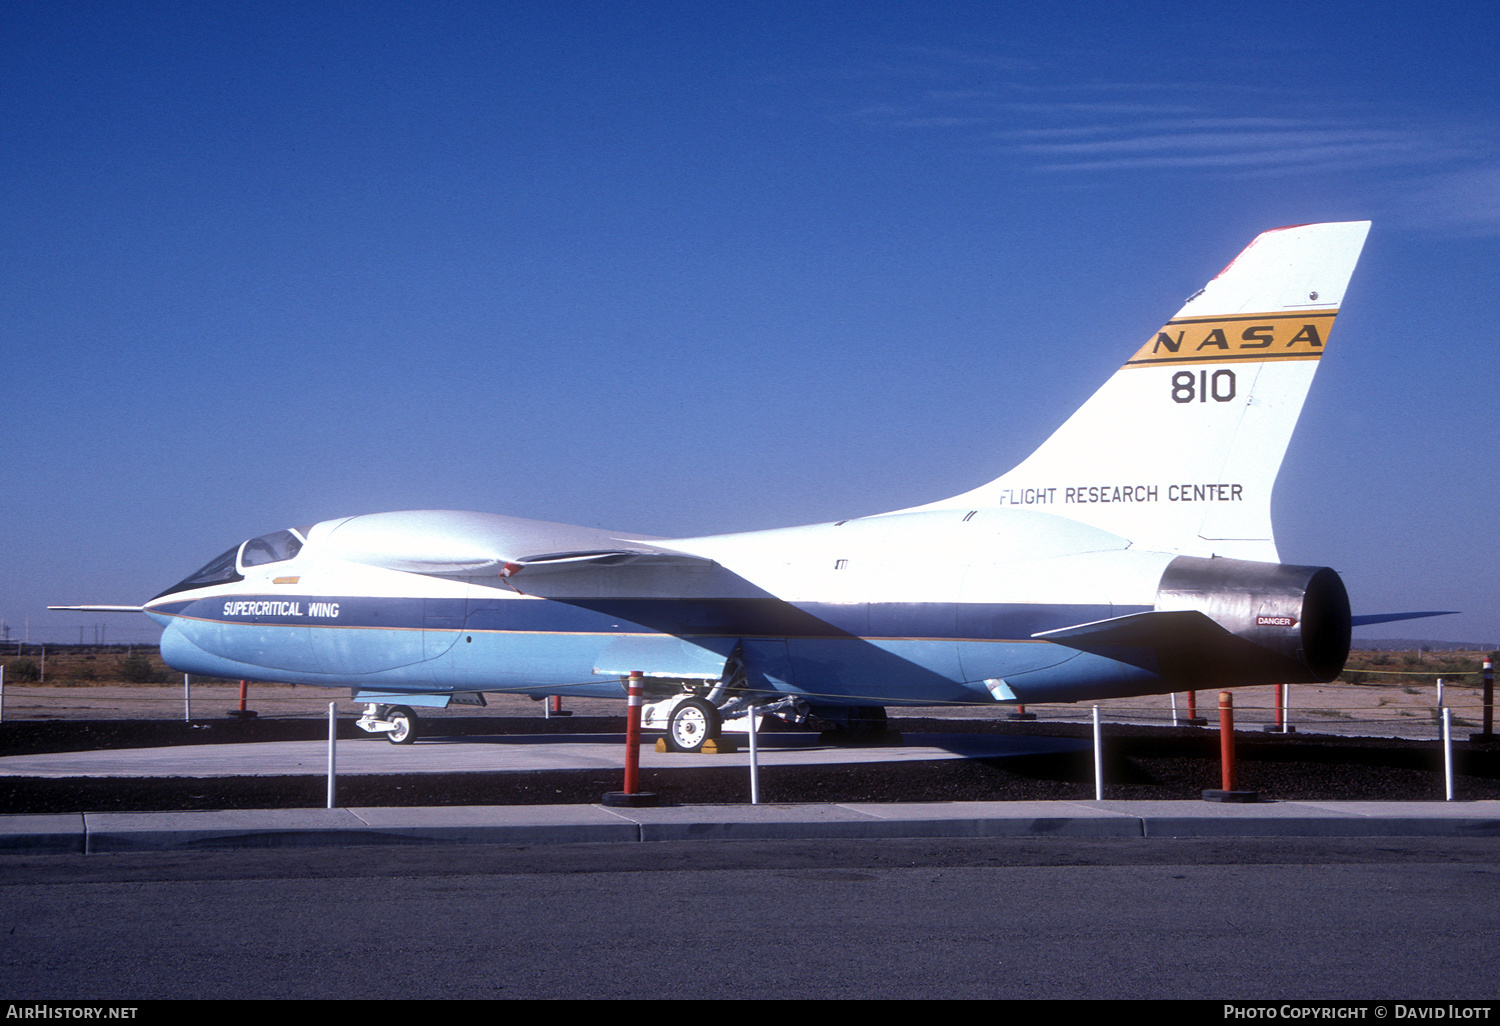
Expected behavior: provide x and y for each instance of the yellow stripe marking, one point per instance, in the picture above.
(1238, 338)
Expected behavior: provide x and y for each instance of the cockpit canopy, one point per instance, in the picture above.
(270, 548)
(229, 567)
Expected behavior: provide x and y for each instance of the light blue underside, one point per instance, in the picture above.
(835, 670)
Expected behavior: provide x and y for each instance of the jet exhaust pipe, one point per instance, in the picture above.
(1284, 624)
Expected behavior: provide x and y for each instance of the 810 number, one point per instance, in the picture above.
(1187, 386)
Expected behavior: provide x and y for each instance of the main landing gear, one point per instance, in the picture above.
(695, 712)
(690, 721)
(692, 724)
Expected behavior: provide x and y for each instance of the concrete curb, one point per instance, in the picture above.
(573, 824)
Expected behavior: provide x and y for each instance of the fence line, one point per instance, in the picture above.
(312, 695)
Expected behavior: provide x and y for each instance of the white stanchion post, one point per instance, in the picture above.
(1098, 759)
(187, 701)
(332, 735)
(754, 762)
(1440, 692)
(1448, 753)
(1174, 708)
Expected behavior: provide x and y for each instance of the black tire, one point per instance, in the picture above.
(693, 722)
(406, 725)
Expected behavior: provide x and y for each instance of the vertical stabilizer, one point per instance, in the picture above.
(1180, 449)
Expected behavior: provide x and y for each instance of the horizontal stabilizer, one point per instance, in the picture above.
(1147, 630)
(1184, 646)
(1365, 621)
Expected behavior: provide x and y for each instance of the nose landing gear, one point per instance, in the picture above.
(397, 722)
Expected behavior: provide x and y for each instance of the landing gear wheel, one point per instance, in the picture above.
(693, 722)
(405, 731)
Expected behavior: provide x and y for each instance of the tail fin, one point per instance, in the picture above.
(1179, 450)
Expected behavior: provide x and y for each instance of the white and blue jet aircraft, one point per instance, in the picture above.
(1131, 554)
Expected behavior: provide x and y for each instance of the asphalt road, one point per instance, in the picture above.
(1262, 919)
(1274, 920)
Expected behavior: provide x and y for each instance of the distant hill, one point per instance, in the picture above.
(1416, 645)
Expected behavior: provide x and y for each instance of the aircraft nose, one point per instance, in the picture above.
(181, 653)
(156, 609)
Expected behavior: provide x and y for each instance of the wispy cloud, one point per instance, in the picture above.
(1032, 115)
(1466, 201)
(1228, 148)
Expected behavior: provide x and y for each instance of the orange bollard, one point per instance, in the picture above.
(1226, 740)
(633, 733)
(635, 689)
(1193, 719)
(1488, 681)
(1228, 792)
(242, 713)
(1281, 726)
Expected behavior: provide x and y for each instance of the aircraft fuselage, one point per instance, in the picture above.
(915, 608)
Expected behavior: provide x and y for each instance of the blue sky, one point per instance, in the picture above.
(686, 268)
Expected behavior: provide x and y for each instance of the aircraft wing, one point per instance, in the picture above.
(1366, 620)
(452, 543)
(541, 563)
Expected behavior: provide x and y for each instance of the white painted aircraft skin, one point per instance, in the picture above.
(1132, 553)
